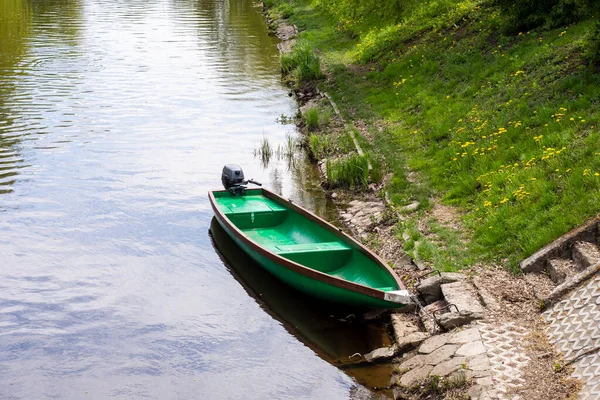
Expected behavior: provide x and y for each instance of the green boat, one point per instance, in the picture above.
(305, 251)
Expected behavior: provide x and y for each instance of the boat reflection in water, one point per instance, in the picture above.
(334, 332)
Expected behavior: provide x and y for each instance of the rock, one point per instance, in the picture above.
(411, 340)
(415, 375)
(447, 367)
(471, 349)
(354, 203)
(402, 326)
(585, 254)
(479, 363)
(462, 295)
(414, 206)
(441, 354)
(286, 46)
(465, 336)
(285, 31)
(381, 354)
(430, 288)
(434, 343)
(412, 363)
(334, 195)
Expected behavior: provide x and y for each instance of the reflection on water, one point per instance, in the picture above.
(115, 120)
(333, 331)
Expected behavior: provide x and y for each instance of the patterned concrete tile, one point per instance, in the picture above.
(574, 328)
(507, 358)
(587, 369)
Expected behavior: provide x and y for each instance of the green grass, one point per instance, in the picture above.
(504, 127)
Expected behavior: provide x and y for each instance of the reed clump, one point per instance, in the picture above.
(302, 63)
(350, 172)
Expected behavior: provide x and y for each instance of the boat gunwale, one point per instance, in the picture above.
(299, 268)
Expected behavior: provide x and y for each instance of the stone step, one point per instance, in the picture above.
(560, 269)
(463, 296)
(585, 254)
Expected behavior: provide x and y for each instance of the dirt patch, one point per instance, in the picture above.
(446, 215)
(544, 376)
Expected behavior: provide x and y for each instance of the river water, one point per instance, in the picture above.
(116, 118)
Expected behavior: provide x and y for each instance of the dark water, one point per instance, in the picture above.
(115, 120)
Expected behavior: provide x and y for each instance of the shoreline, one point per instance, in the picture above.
(377, 228)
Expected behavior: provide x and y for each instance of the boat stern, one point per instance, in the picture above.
(398, 296)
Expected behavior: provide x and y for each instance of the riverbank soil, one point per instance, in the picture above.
(480, 131)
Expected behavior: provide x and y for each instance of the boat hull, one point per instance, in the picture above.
(305, 284)
(306, 252)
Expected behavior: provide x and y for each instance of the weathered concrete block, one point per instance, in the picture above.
(560, 269)
(462, 294)
(402, 326)
(453, 320)
(426, 314)
(561, 247)
(585, 254)
(430, 288)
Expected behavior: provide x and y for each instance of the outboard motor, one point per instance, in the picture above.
(233, 179)
(232, 175)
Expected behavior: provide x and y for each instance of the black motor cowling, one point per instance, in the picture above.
(232, 175)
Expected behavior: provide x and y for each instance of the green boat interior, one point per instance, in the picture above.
(291, 235)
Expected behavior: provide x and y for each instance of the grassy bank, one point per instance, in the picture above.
(467, 109)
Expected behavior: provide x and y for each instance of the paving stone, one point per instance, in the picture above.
(486, 381)
(479, 363)
(471, 349)
(465, 336)
(441, 354)
(411, 340)
(415, 375)
(412, 363)
(381, 354)
(447, 367)
(475, 391)
(434, 342)
(585, 254)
